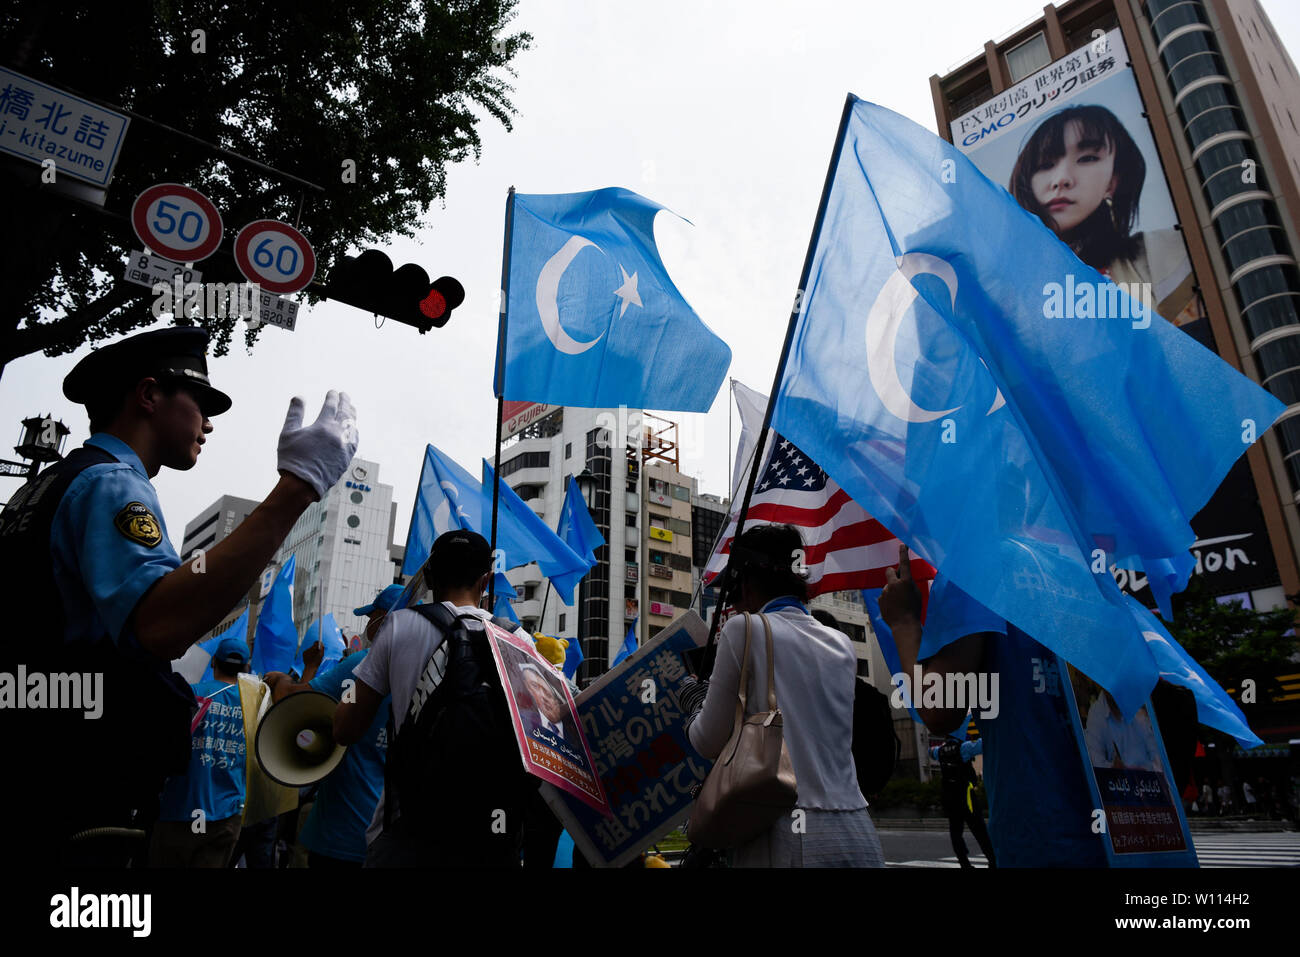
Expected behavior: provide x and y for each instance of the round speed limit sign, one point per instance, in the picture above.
(275, 256)
(177, 222)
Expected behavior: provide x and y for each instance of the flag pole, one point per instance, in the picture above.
(501, 387)
(541, 619)
(761, 444)
(408, 593)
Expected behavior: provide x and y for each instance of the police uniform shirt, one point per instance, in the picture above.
(108, 544)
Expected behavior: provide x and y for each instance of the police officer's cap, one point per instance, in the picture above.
(171, 355)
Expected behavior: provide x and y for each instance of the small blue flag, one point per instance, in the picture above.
(450, 497)
(576, 526)
(593, 319)
(573, 658)
(276, 640)
(629, 646)
(504, 609)
(238, 629)
(333, 639)
(933, 375)
(525, 538)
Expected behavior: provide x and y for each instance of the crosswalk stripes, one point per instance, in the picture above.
(1213, 851)
(1248, 850)
(977, 859)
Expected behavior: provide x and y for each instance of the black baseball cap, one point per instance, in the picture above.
(458, 557)
(178, 354)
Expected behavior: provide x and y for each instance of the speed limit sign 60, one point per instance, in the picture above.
(177, 222)
(275, 256)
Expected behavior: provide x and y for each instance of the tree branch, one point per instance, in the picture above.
(68, 328)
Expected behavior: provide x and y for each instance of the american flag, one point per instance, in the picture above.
(844, 547)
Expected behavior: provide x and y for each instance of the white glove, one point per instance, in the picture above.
(320, 453)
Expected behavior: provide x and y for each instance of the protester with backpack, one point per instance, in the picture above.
(455, 791)
(814, 670)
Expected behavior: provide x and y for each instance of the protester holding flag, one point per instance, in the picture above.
(816, 670)
(199, 815)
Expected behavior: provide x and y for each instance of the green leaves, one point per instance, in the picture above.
(396, 85)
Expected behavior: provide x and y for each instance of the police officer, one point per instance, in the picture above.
(85, 544)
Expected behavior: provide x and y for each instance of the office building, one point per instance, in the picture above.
(1204, 91)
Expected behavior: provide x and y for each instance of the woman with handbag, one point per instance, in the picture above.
(777, 717)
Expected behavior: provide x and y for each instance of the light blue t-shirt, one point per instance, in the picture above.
(215, 780)
(346, 799)
(1040, 805)
(109, 544)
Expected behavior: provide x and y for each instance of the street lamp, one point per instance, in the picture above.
(40, 441)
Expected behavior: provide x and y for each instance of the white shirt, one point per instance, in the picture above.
(402, 647)
(815, 673)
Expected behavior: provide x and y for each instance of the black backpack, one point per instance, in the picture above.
(875, 744)
(453, 772)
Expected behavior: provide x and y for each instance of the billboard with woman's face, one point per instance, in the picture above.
(1072, 145)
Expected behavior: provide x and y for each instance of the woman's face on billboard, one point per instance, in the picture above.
(1072, 187)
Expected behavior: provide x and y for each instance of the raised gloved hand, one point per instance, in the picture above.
(319, 453)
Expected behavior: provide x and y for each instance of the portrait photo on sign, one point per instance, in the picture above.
(540, 697)
(546, 723)
(1113, 742)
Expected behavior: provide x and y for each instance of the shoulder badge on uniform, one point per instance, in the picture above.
(137, 523)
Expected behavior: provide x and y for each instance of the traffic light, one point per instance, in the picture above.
(369, 282)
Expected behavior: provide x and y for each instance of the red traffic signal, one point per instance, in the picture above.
(369, 282)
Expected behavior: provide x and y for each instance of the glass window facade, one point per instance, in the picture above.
(1255, 249)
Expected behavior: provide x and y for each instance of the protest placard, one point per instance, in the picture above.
(545, 720)
(643, 758)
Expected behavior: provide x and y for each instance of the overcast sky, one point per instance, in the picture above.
(724, 112)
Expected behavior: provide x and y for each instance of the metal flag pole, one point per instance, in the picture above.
(501, 387)
(785, 355)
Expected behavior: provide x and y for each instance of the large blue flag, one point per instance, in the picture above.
(593, 319)
(276, 640)
(933, 375)
(450, 497)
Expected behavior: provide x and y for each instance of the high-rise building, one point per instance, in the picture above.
(343, 545)
(214, 523)
(543, 446)
(1201, 107)
(208, 528)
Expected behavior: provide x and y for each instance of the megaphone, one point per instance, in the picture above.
(295, 740)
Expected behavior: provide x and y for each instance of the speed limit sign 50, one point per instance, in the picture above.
(275, 256)
(177, 222)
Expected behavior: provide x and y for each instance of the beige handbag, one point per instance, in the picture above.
(752, 784)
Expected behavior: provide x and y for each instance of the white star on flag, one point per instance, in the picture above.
(627, 292)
